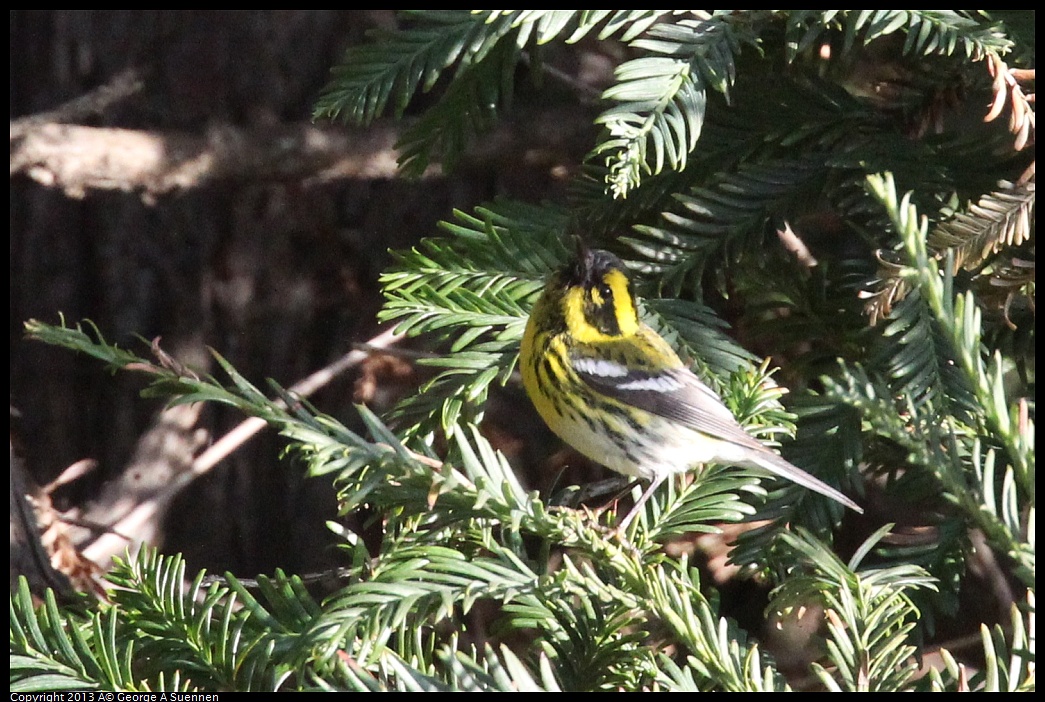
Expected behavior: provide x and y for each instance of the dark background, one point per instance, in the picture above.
(271, 259)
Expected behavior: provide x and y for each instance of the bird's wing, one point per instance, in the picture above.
(677, 394)
(673, 393)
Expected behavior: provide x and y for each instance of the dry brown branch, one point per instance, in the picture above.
(140, 518)
(78, 159)
(95, 102)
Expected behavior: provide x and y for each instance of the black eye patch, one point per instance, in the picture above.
(599, 309)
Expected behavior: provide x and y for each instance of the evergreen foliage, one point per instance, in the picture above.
(904, 330)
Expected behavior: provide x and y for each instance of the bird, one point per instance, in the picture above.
(616, 391)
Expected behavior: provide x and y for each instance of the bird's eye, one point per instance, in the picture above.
(606, 292)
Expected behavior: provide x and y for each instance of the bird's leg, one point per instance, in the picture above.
(654, 484)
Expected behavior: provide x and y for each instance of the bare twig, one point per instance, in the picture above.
(794, 244)
(584, 91)
(95, 102)
(407, 354)
(137, 519)
(71, 474)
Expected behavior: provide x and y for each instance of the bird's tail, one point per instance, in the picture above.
(778, 466)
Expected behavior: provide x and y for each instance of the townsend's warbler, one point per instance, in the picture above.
(613, 389)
